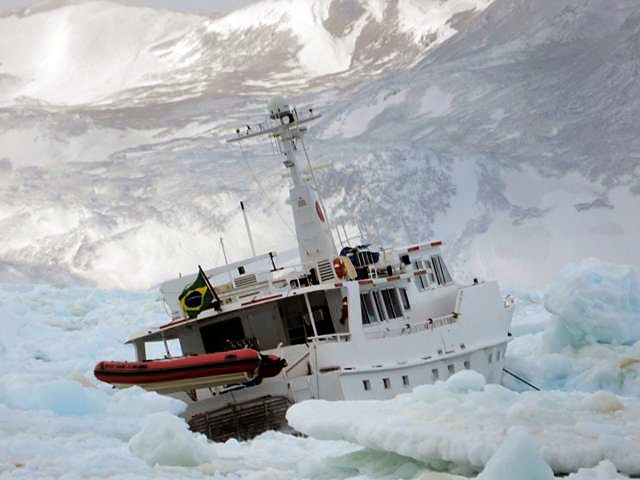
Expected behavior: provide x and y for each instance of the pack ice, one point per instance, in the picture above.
(440, 424)
(461, 423)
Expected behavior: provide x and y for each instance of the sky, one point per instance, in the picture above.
(193, 6)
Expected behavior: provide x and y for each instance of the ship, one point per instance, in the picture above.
(357, 323)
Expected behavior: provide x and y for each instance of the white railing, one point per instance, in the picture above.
(331, 337)
(409, 328)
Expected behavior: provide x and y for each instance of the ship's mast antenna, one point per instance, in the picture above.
(287, 127)
(246, 224)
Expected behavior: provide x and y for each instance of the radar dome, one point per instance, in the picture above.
(278, 106)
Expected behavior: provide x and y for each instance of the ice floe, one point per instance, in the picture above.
(460, 424)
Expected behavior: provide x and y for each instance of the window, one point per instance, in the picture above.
(156, 350)
(367, 308)
(429, 268)
(490, 357)
(405, 380)
(442, 274)
(498, 356)
(392, 302)
(387, 383)
(421, 281)
(435, 374)
(451, 368)
(405, 299)
(467, 364)
(379, 306)
(366, 384)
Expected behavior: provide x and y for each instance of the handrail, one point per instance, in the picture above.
(297, 362)
(409, 328)
(331, 337)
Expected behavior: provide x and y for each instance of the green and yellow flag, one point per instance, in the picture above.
(196, 297)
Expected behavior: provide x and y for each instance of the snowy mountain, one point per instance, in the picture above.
(505, 128)
(95, 52)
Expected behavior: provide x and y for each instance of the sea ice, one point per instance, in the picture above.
(518, 458)
(593, 302)
(587, 338)
(439, 425)
(166, 440)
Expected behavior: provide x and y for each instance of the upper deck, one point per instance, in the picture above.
(239, 289)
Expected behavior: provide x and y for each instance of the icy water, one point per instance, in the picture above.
(579, 339)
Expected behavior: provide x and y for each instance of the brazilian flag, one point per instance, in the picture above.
(196, 297)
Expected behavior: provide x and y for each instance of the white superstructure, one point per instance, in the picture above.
(365, 325)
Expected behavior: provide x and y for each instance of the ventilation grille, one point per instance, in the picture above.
(326, 271)
(245, 281)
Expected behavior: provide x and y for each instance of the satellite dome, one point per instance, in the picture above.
(277, 106)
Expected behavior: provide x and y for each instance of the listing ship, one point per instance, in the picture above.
(355, 324)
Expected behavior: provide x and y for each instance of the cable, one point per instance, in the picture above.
(265, 195)
(317, 186)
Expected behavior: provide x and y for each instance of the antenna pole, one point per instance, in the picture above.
(246, 224)
(224, 254)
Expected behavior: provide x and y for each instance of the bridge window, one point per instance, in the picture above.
(379, 307)
(405, 299)
(442, 273)
(367, 308)
(421, 280)
(392, 302)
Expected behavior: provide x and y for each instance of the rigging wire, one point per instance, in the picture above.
(317, 187)
(265, 195)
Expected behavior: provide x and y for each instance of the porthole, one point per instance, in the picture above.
(467, 364)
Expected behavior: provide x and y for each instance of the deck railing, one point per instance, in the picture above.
(409, 328)
(331, 337)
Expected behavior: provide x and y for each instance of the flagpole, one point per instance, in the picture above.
(215, 294)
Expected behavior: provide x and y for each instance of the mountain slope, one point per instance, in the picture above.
(513, 140)
(102, 53)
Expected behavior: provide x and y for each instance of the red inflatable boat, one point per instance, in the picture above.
(234, 367)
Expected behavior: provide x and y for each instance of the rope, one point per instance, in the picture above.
(509, 372)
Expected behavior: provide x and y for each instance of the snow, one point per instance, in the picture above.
(84, 52)
(432, 17)
(441, 427)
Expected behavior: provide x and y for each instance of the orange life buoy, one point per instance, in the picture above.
(338, 266)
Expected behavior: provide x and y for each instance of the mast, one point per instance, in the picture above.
(315, 242)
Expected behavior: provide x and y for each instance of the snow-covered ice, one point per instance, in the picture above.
(583, 333)
(57, 420)
(459, 425)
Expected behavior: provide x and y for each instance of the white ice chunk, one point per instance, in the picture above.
(593, 302)
(166, 440)
(437, 424)
(605, 470)
(518, 458)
